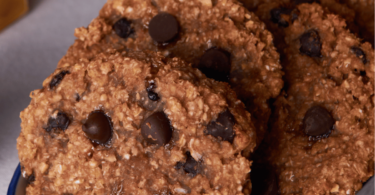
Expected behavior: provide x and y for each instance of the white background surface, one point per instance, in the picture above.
(29, 51)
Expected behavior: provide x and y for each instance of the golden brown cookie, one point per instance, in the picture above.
(134, 123)
(359, 14)
(323, 124)
(221, 38)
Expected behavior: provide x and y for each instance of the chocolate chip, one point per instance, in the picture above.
(317, 122)
(359, 53)
(156, 129)
(190, 166)
(57, 79)
(163, 28)
(77, 97)
(276, 16)
(297, 2)
(153, 96)
(222, 126)
(365, 78)
(310, 43)
(31, 179)
(98, 127)
(61, 121)
(294, 15)
(264, 180)
(215, 63)
(123, 28)
(150, 92)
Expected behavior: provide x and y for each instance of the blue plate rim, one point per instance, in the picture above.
(13, 183)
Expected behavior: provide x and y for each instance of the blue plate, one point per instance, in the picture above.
(18, 185)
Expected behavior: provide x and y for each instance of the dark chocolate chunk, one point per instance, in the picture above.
(264, 180)
(179, 165)
(294, 15)
(57, 79)
(31, 179)
(365, 78)
(317, 121)
(98, 127)
(150, 92)
(163, 28)
(190, 165)
(222, 126)
(215, 63)
(123, 28)
(359, 53)
(152, 96)
(156, 129)
(276, 16)
(61, 121)
(310, 43)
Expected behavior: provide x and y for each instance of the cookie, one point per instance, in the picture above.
(136, 123)
(321, 139)
(221, 38)
(364, 17)
(359, 15)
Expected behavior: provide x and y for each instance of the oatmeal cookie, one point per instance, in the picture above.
(221, 38)
(359, 14)
(134, 123)
(322, 135)
(364, 17)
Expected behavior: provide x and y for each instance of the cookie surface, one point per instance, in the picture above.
(358, 14)
(364, 10)
(223, 39)
(322, 136)
(134, 123)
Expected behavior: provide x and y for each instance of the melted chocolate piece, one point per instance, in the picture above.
(215, 63)
(156, 129)
(264, 180)
(98, 127)
(61, 121)
(276, 16)
(360, 54)
(57, 79)
(222, 127)
(317, 121)
(123, 28)
(310, 43)
(163, 28)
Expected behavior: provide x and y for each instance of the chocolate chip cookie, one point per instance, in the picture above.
(359, 15)
(323, 124)
(221, 38)
(364, 17)
(134, 123)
